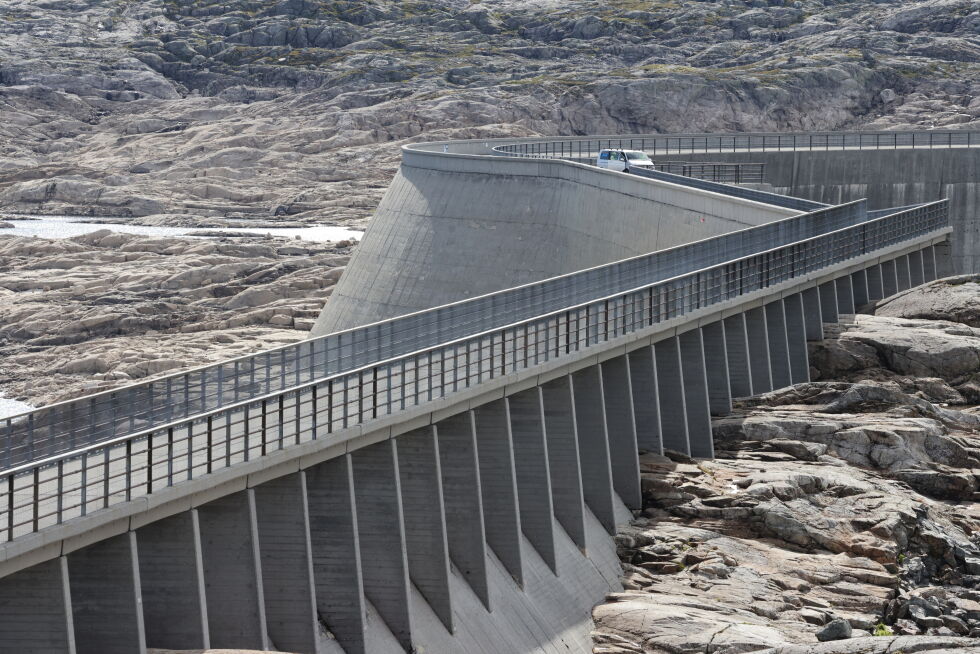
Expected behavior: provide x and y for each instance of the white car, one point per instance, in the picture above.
(623, 160)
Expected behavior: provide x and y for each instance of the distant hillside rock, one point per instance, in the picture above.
(158, 95)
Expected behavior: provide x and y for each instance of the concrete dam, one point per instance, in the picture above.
(440, 468)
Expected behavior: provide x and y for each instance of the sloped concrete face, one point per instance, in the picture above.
(450, 228)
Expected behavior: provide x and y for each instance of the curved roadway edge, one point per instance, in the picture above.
(455, 225)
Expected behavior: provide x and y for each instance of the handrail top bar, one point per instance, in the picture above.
(187, 420)
(417, 146)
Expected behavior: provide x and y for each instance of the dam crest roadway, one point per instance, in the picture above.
(442, 465)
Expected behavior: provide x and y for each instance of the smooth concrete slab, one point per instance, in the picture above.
(498, 483)
(236, 608)
(35, 610)
(287, 565)
(737, 353)
(464, 501)
(696, 400)
(646, 401)
(617, 391)
(336, 552)
(593, 445)
(527, 418)
(174, 608)
(381, 535)
(561, 434)
(425, 519)
(106, 599)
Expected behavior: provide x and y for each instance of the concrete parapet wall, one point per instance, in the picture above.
(887, 178)
(457, 226)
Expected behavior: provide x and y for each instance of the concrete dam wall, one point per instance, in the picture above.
(887, 178)
(456, 226)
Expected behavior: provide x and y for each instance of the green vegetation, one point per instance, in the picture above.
(881, 629)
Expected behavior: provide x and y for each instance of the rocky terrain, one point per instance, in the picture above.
(840, 515)
(104, 309)
(204, 109)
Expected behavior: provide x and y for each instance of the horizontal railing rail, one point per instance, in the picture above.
(789, 202)
(66, 426)
(725, 173)
(663, 145)
(46, 492)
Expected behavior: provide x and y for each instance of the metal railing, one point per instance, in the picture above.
(49, 491)
(656, 145)
(69, 425)
(725, 173)
(774, 199)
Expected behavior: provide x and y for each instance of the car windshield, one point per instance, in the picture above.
(636, 155)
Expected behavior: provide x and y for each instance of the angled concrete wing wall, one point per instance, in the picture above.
(457, 226)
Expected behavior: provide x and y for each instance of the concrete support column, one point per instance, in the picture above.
(778, 345)
(593, 445)
(670, 386)
(336, 551)
(943, 254)
(812, 315)
(876, 282)
(498, 483)
(621, 427)
(859, 288)
(105, 597)
(463, 501)
(425, 519)
(172, 581)
(737, 352)
(828, 301)
(755, 323)
(235, 603)
(696, 394)
(889, 278)
(845, 295)
(716, 366)
(381, 534)
(534, 492)
(929, 264)
(35, 610)
(903, 272)
(646, 404)
(916, 270)
(561, 435)
(799, 363)
(287, 564)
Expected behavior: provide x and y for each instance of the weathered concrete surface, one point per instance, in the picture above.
(887, 178)
(456, 227)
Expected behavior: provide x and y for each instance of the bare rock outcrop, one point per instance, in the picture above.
(840, 516)
(293, 109)
(87, 313)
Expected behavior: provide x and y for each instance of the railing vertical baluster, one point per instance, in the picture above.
(210, 444)
(37, 499)
(61, 491)
(105, 478)
(10, 507)
(129, 470)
